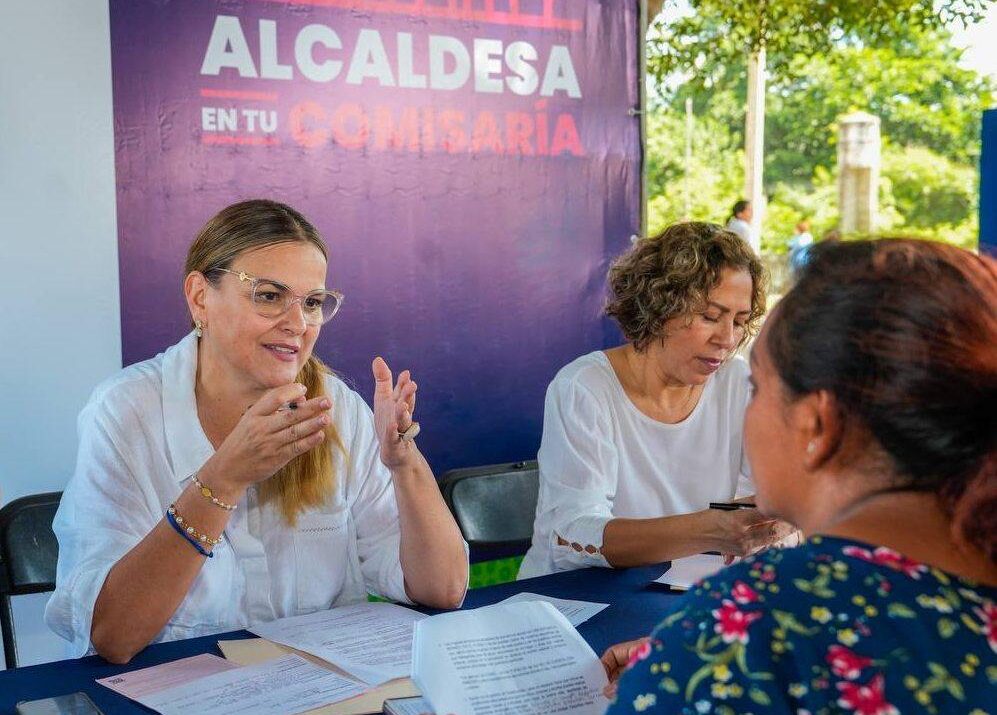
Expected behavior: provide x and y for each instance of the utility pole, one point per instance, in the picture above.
(754, 143)
(687, 183)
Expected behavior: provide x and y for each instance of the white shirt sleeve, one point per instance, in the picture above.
(375, 511)
(102, 516)
(745, 480)
(578, 465)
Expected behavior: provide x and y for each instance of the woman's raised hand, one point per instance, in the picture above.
(274, 430)
(393, 408)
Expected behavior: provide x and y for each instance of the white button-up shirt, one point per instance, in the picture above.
(601, 459)
(141, 440)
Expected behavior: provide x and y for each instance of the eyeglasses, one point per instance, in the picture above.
(272, 299)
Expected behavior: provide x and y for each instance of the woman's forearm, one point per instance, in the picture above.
(432, 551)
(147, 585)
(639, 542)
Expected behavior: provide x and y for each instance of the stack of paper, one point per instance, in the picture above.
(256, 650)
(370, 641)
(520, 656)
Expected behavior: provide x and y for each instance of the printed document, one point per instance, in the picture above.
(509, 659)
(370, 641)
(577, 612)
(146, 681)
(289, 684)
(684, 573)
(256, 650)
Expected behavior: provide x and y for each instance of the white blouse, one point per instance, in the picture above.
(141, 439)
(601, 458)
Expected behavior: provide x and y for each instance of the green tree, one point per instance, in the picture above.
(914, 84)
(703, 53)
(715, 33)
(930, 110)
(925, 194)
(713, 177)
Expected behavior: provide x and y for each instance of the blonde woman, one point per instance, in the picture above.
(233, 478)
(640, 438)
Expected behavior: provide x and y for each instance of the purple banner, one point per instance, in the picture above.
(471, 163)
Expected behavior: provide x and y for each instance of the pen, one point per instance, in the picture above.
(731, 506)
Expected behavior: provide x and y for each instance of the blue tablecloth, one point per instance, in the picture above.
(635, 609)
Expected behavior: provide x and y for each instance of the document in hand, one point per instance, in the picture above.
(684, 573)
(370, 641)
(509, 659)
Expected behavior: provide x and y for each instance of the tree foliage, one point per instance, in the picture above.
(907, 73)
(716, 32)
(714, 175)
(914, 85)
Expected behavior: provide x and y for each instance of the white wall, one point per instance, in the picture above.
(59, 316)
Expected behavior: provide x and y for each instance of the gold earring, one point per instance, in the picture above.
(198, 328)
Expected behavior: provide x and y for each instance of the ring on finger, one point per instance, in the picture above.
(410, 433)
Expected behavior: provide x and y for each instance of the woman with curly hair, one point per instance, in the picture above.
(639, 439)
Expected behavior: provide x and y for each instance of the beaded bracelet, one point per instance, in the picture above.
(189, 532)
(207, 494)
(176, 527)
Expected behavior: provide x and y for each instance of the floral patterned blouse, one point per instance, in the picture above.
(832, 626)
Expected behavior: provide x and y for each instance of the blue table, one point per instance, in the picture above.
(635, 609)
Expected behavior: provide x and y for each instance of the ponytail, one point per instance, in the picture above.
(309, 479)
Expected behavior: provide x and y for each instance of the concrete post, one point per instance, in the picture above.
(858, 171)
(754, 143)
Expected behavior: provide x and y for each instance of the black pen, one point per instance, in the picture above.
(731, 506)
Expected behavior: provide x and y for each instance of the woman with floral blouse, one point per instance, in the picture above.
(872, 427)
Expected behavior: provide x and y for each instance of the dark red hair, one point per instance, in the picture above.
(904, 334)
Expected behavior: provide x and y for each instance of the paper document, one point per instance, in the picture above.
(508, 659)
(684, 573)
(289, 684)
(256, 650)
(146, 681)
(371, 641)
(577, 612)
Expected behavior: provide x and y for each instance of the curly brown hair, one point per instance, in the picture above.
(672, 274)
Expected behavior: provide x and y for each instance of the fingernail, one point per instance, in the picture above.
(325, 404)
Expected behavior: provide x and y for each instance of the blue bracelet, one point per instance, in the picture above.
(185, 535)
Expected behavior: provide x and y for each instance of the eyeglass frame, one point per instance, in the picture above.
(256, 280)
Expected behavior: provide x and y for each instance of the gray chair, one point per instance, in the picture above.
(28, 555)
(494, 505)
